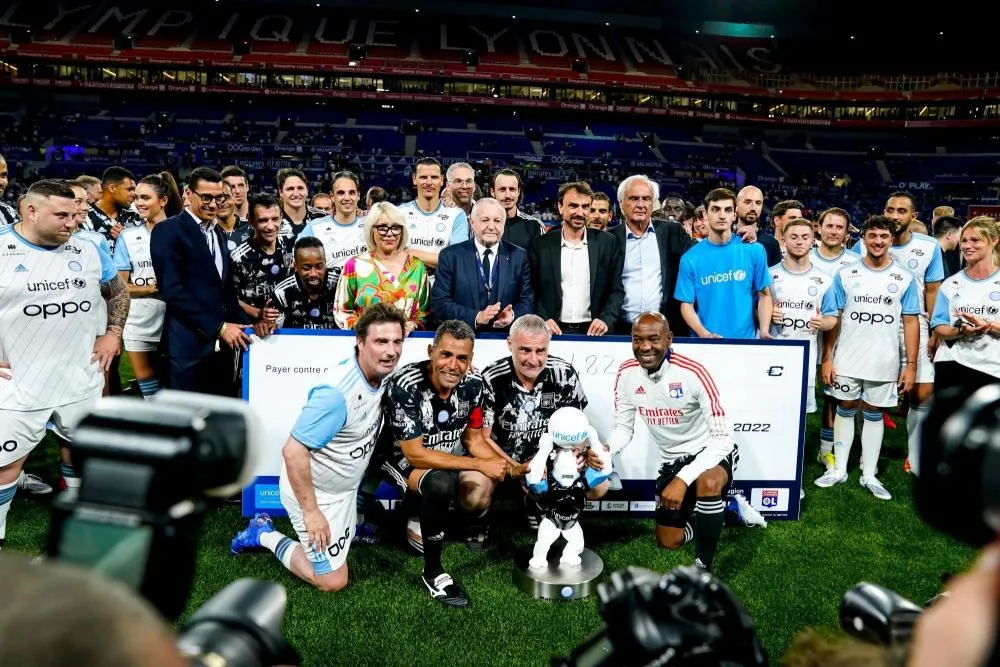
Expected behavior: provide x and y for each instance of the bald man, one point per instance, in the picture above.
(749, 208)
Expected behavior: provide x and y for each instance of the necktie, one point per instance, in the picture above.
(487, 274)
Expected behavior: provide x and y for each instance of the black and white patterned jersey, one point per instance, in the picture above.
(99, 221)
(242, 232)
(289, 230)
(8, 214)
(298, 311)
(519, 417)
(414, 408)
(257, 273)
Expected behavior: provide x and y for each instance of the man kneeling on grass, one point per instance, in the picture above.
(327, 454)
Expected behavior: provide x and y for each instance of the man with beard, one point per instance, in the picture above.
(307, 298)
(521, 229)
(111, 213)
(749, 208)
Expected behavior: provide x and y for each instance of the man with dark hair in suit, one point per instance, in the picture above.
(577, 272)
(194, 276)
(484, 282)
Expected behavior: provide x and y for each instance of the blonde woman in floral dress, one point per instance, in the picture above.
(387, 273)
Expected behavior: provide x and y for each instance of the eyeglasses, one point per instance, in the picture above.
(386, 230)
(208, 199)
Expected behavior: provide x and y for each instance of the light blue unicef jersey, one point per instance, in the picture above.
(340, 242)
(51, 310)
(721, 280)
(871, 304)
(921, 256)
(445, 225)
(340, 424)
(962, 294)
(831, 266)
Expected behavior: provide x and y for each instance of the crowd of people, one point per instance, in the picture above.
(176, 277)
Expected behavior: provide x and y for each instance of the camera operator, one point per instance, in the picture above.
(53, 615)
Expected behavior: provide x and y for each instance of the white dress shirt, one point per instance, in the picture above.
(575, 281)
(208, 231)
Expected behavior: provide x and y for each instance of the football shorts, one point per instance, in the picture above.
(21, 431)
(341, 513)
(876, 394)
(678, 518)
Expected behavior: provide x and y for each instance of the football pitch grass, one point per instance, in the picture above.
(790, 575)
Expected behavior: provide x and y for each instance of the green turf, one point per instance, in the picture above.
(790, 575)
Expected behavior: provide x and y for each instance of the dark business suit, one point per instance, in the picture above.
(459, 292)
(672, 242)
(606, 260)
(198, 303)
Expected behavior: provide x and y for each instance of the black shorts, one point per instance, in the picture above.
(678, 518)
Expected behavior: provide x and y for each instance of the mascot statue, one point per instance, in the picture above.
(560, 488)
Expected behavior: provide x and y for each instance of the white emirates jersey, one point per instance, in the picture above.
(437, 229)
(682, 410)
(339, 424)
(831, 266)
(871, 304)
(799, 296)
(961, 294)
(50, 315)
(340, 242)
(145, 315)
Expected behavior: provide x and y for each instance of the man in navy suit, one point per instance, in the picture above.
(203, 325)
(485, 282)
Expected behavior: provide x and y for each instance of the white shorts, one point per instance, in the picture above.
(20, 432)
(136, 345)
(341, 512)
(145, 321)
(925, 367)
(876, 394)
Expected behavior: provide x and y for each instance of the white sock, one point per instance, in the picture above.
(871, 441)
(282, 547)
(826, 440)
(843, 437)
(914, 423)
(7, 492)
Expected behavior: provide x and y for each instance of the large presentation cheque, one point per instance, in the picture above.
(762, 384)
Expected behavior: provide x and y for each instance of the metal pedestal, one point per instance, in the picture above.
(559, 582)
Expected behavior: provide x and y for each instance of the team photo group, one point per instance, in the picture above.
(178, 277)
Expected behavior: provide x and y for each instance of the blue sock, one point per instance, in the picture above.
(6, 498)
(150, 387)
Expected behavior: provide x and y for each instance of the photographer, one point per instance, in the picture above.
(53, 615)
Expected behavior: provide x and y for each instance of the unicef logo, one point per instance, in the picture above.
(913, 264)
(79, 283)
(813, 291)
(992, 310)
(994, 296)
(893, 287)
(75, 266)
(739, 274)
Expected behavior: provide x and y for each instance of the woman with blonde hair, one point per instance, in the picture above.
(387, 273)
(967, 311)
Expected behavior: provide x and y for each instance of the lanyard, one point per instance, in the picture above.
(488, 285)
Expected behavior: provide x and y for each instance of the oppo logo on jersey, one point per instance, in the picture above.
(49, 285)
(793, 323)
(336, 547)
(142, 282)
(732, 275)
(863, 317)
(47, 310)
